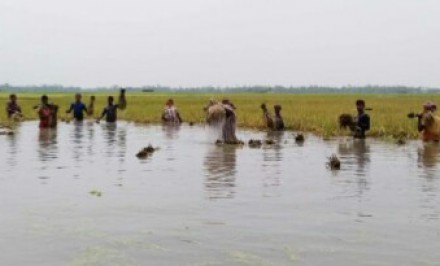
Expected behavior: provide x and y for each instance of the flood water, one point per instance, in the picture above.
(195, 203)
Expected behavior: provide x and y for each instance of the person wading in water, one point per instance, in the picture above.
(228, 130)
(361, 122)
(78, 108)
(170, 114)
(47, 113)
(428, 123)
(276, 122)
(13, 110)
(110, 112)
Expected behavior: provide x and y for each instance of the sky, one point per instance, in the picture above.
(93, 43)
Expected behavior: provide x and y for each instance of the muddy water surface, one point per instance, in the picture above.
(79, 196)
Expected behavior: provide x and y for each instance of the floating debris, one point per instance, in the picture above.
(142, 154)
(191, 124)
(96, 193)
(299, 138)
(255, 143)
(334, 163)
(269, 141)
(401, 141)
(7, 133)
(232, 142)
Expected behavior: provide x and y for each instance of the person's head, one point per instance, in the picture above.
(169, 102)
(429, 106)
(277, 108)
(44, 99)
(360, 105)
(92, 98)
(13, 98)
(78, 97)
(122, 91)
(110, 100)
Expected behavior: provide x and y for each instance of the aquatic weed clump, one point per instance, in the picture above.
(255, 143)
(334, 163)
(230, 142)
(95, 193)
(145, 152)
(299, 138)
(269, 142)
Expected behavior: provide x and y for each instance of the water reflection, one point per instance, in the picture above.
(77, 140)
(356, 154)
(272, 159)
(47, 140)
(220, 167)
(12, 150)
(171, 130)
(428, 158)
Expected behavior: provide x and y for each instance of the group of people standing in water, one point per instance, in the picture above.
(221, 114)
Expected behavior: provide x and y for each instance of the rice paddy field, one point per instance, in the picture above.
(316, 113)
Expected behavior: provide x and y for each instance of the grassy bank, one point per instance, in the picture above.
(304, 112)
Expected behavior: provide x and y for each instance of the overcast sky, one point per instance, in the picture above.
(220, 42)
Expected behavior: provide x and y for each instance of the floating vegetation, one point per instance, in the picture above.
(145, 152)
(95, 193)
(269, 141)
(334, 163)
(6, 133)
(255, 143)
(299, 138)
(231, 142)
(401, 141)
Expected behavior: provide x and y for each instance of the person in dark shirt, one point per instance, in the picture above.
(78, 108)
(110, 112)
(13, 110)
(278, 120)
(362, 121)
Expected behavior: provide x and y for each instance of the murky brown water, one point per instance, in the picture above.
(193, 203)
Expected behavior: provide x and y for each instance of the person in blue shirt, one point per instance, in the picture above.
(78, 108)
(110, 112)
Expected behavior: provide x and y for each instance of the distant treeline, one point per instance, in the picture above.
(259, 89)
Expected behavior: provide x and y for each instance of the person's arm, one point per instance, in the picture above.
(85, 108)
(420, 125)
(104, 113)
(70, 109)
(8, 109)
(179, 117)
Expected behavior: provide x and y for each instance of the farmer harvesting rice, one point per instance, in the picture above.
(78, 108)
(170, 113)
(13, 110)
(91, 107)
(47, 113)
(276, 122)
(362, 121)
(428, 123)
(110, 112)
(215, 113)
(228, 131)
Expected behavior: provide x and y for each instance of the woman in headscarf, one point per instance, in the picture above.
(170, 113)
